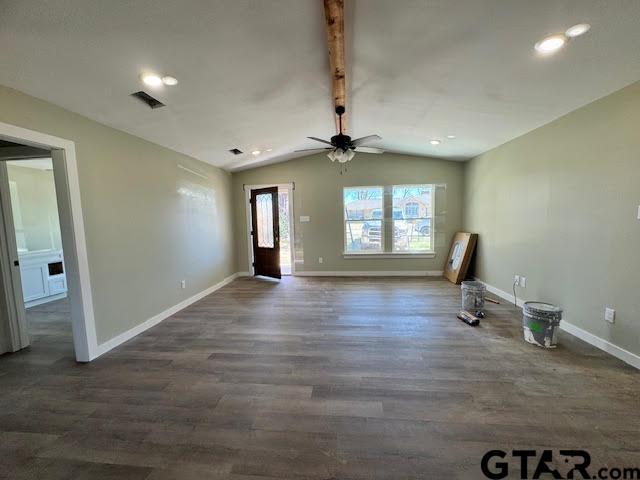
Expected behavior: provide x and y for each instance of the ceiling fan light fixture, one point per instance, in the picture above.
(434, 141)
(332, 155)
(349, 154)
(339, 154)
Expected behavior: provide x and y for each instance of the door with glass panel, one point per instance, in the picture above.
(265, 232)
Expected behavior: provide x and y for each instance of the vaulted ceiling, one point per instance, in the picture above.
(254, 73)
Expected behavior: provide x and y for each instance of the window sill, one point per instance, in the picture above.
(389, 255)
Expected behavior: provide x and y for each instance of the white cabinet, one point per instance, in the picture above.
(43, 276)
(34, 282)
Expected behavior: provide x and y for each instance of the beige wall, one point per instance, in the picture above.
(560, 205)
(38, 207)
(149, 224)
(318, 194)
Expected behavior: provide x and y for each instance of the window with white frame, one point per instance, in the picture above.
(413, 232)
(363, 220)
(409, 211)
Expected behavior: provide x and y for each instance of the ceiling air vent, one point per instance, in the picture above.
(148, 99)
(235, 151)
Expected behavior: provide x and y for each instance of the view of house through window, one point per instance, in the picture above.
(412, 214)
(411, 218)
(363, 219)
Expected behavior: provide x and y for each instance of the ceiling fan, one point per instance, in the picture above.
(343, 148)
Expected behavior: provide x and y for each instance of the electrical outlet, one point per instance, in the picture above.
(516, 280)
(183, 284)
(610, 315)
(320, 260)
(523, 282)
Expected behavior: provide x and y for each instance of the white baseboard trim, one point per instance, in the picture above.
(156, 319)
(604, 345)
(370, 273)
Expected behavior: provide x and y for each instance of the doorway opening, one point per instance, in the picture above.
(32, 237)
(56, 289)
(282, 229)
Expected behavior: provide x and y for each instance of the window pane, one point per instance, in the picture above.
(264, 218)
(285, 235)
(363, 236)
(412, 201)
(412, 235)
(363, 203)
(412, 218)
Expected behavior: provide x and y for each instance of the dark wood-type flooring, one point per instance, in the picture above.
(310, 378)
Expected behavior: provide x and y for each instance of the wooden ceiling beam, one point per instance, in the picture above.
(334, 17)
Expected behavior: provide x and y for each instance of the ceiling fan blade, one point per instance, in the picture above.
(313, 149)
(319, 140)
(369, 150)
(368, 138)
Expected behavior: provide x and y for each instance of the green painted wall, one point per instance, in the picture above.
(148, 223)
(559, 205)
(318, 194)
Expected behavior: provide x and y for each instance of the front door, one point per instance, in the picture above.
(265, 232)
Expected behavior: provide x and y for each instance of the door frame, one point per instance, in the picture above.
(289, 187)
(65, 172)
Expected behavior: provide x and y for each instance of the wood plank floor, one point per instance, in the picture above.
(312, 378)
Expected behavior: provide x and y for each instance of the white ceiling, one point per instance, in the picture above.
(254, 73)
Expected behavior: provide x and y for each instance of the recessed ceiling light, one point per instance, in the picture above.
(451, 137)
(169, 80)
(577, 30)
(256, 152)
(551, 44)
(434, 142)
(269, 149)
(151, 79)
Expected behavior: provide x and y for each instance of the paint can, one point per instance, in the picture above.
(473, 296)
(540, 322)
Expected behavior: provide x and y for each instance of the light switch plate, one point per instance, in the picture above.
(304, 219)
(610, 315)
